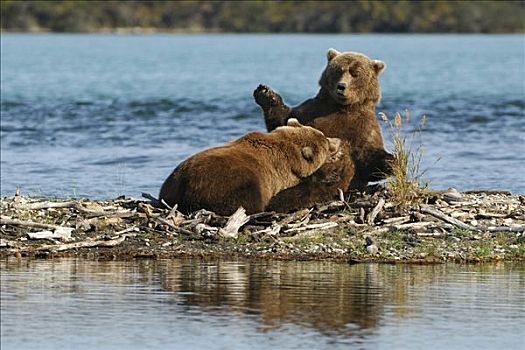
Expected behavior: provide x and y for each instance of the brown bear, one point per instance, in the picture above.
(249, 171)
(343, 108)
(321, 186)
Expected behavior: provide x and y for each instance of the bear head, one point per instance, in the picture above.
(306, 147)
(351, 77)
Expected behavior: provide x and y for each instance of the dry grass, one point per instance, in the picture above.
(406, 186)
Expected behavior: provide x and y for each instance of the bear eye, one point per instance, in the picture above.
(353, 72)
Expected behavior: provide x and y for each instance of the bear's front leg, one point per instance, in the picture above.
(382, 161)
(276, 113)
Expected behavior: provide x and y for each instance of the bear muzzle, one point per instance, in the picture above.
(341, 87)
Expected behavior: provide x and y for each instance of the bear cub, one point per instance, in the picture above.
(249, 171)
(343, 108)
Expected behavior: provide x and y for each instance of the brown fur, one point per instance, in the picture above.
(348, 115)
(247, 172)
(321, 186)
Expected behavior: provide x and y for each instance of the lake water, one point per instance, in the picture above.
(193, 304)
(105, 115)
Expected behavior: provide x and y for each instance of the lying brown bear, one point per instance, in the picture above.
(344, 108)
(249, 171)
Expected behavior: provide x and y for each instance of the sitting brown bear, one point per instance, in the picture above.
(343, 108)
(321, 186)
(249, 171)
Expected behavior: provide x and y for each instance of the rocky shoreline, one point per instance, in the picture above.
(468, 227)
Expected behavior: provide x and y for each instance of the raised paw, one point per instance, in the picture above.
(266, 97)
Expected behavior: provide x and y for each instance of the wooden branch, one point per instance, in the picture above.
(371, 217)
(438, 214)
(8, 221)
(397, 220)
(154, 201)
(76, 245)
(176, 228)
(71, 204)
(322, 226)
(505, 229)
(46, 205)
(416, 225)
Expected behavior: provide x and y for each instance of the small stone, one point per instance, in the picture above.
(452, 195)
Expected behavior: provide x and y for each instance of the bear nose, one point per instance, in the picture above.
(341, 87)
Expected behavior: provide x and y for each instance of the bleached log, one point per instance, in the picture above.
(234, 223)
(4, 220)
(61, 233)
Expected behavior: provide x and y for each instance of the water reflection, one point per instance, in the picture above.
(298, 303)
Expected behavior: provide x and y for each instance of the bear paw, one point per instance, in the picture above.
(266, 97)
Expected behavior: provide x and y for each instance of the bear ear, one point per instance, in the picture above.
(293, 122)
(308, 153)
(379, 66)
(331, 54)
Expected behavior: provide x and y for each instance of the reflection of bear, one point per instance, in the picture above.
(249, 171)
(321, 186)
(344, 108)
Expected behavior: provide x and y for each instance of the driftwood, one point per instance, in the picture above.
(234, 223)
(322, 226)
(371, 217)
(8, 221)
(154, 201)
(438, 214)
(60, 233)
(360, 215)
(76, 245)
(397, 220)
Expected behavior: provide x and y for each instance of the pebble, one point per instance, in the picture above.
(452, 195)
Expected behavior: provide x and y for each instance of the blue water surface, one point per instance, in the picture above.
(106, 115)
